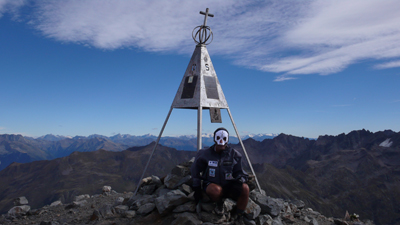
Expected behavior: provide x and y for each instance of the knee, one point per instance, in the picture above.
(245, 189)
(214, 190)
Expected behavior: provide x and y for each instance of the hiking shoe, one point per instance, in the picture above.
(219, 209)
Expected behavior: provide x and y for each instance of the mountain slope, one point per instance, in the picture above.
(83, 172)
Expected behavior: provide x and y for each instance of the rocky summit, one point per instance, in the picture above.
(168, 200)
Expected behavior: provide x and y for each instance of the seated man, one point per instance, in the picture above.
(222, 174)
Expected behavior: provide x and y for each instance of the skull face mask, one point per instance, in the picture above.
(221, 137)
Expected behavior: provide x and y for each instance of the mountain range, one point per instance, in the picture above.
(358, 172)
(17, 148)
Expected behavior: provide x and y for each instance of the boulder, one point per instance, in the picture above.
(20, 201)
(121, 209)
(81, 197)
(187, 207)
(252, 210)
(17, 211)
(171, 199)
(268, 205)
(56, 203)
(106, 189)
(187, 219)
(146, 208)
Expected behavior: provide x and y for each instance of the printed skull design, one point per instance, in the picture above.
(221, 137)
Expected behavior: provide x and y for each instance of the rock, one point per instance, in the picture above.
(106, 189)
(277, 221)
(170, 200)
(181, 171)
(20, 201)
(229, 204)
(17, 211)
(187, 207)
(119, 201)
(212, 218)
(106, 210)
(81, 197)
(252, 210)
(146, 208)
(121, 209)
(300, 204)
(264, 220)
(56, 203)
(95, 216)
(147, 189)
(138, 201)
(208, 207)
(130, 214)
(187, 219)
(268, 205)
(186, 189)
(79, 203)
(171, 180)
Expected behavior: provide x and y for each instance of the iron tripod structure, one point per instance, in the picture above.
(199, 143)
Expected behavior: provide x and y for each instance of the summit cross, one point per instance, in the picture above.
(206, 14)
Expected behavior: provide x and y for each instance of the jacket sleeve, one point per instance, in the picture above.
(238, 172)
(199, 165)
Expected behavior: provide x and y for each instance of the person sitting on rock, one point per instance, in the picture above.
(220, 169)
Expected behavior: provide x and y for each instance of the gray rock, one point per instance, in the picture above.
(56, 203)
(187, 207)
(212, 218)
(229, 204)
(181, 171)
(130, 214)
(77, 204)
(138, 201)
(146, 208)
(147, 189)
(300, 204)
(121, 209)
(106, 189)
(208, 207)
(171, 180)
(106, 210)
(20, 201)
(119, 201)
(264, 220)
(252, 210)
(170, 200)
(187, 219)
(81, 197)
(186, 189)
(314, 222)
(268, 205)
(277, 221)
(156, 180)
(17, 211)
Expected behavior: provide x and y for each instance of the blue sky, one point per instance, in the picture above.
(305, 68)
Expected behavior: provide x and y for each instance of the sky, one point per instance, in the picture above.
(304, 68)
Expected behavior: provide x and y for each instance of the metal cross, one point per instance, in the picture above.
(206, 14)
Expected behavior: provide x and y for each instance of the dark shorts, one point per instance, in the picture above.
(228, 190)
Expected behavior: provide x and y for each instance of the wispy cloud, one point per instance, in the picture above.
(11, 6)
(286, 37)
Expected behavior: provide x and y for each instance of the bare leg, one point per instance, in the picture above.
(243, 199)
(214, 191)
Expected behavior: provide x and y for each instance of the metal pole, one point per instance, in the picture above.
(155, 146)
(244, 150)
(199, 122)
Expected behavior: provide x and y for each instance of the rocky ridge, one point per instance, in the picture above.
(168, 200)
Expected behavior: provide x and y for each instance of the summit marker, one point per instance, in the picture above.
(200, 89)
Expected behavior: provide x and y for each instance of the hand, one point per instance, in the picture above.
(198, 194)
